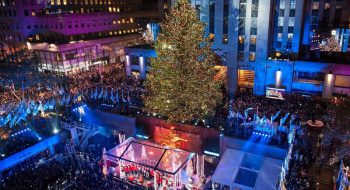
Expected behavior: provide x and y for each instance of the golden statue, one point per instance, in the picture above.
(172, 140)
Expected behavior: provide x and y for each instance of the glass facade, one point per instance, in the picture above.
(82, 59)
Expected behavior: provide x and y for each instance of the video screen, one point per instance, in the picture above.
(275, 93)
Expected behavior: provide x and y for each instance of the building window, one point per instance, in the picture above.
(253, 31)
(253, 39)
(241, 40)
(254, 22)
(327, 6)
(292, 4)
(252, 48)
(279, 44)
(292, 13)
(211, 18)
(280, 29)
(242, 10)
(225, 39)
(291, 21)
(251, 56)
(280, 21)
(26, 13)
(281, 13)
(255, 8)
(240, 56)
(282, 4)
(241, 31)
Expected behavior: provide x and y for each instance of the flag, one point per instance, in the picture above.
(13, 121)
(52, 104)
(2, 121)
(61, 91)
(232, 114)
(22, 116)
(239, 115)
(128, 98)
(266, 120)
(101, 94)
(247, 111)
(68, 98)
(112, 96)
(8, 118)
(40, 107)
(86, 93)
(283, 120)
(96, 93)
(117, 96)
(91, 94)
(62, 100)
(256, 118)
(123, 96)
(105, 95)
(46, 105)
(275, 116)
(35, 110)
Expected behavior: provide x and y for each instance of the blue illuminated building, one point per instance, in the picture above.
(256, 39)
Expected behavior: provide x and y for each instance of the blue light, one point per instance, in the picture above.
(142, 136)
(211, 153)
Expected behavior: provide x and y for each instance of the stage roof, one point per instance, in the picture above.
(150, 155)
(243, 170)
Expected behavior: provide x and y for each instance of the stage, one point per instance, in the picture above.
(148, 164)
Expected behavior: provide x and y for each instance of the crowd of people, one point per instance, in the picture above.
(296, 110)
(278, 113)
(106, 87)
(299, 164)
(22, 86)
(22, 136)
(69, 170)
(19, 57)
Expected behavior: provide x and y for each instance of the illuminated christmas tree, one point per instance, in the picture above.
(331, 45)
(180, 83)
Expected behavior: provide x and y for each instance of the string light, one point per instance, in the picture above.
(180, 82)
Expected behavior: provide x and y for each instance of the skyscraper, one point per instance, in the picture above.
(256, 38)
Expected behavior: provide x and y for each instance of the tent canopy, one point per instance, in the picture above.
(150, 155)
(243, 170)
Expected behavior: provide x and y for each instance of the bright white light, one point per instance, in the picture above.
(55, 130)
(278, 78)
(81, 110)
(333, 32)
